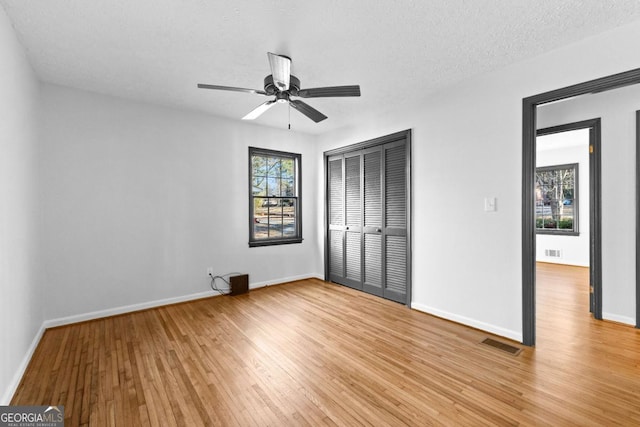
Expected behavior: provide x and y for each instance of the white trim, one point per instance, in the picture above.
(285, 280)
(497, 330)
(620, 319)
(17, 377)
(52, 323)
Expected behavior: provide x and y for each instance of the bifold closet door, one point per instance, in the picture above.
(395, 243)
(335, 237)
(345, 220)
(372, 216)
(367, 237)
(353, 221)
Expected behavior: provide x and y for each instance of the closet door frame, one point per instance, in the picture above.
(381, 141)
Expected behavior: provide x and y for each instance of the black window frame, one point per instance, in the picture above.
(276, 200)
(575, 202)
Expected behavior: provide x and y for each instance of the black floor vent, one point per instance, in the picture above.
(502, 346)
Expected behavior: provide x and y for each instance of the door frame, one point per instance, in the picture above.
(595, 197)
(529, 106)
(638, 219)
(386, 139)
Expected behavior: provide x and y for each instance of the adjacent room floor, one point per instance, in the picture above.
(315, 353)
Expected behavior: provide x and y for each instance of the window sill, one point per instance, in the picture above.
(557, 232)
(257, 244)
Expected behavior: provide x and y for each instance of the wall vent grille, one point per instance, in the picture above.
(553, 253)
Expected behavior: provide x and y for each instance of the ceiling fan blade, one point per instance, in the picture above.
(234, 89)
(307, 110)
(325, 92)
(257, 112)
(280, 70)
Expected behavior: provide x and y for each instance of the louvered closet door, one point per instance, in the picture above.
(372, 215)
(353, 221)
(345, 220)
(335, 237)
(395, 221)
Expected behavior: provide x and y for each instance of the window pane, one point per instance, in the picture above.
(260, 210)
(273, 166)
(289, 228)
(259, 186)
(288, 188)
(260, 219)
(288, 168)
(273, 186)
(275, 221)
(259, 165)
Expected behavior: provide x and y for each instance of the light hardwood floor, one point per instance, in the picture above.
(314, 353)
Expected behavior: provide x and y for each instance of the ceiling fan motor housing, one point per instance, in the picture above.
(270, 88)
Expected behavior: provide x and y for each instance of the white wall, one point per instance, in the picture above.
(574, 249)
(20, 273)
(617, 110)
(139, 200)
(467, 145)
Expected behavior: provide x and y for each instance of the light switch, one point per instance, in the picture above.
(490, 204)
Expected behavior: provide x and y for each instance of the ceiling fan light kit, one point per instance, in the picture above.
(281, 84)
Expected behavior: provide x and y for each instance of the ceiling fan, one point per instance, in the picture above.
(284, 85)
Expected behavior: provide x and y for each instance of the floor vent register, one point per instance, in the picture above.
(502, 346)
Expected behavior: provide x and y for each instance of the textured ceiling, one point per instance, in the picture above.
(398, 51)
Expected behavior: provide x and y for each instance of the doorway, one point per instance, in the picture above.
(530, 105)
(567, 198)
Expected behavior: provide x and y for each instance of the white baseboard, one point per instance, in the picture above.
(17, 377)
(124, 309)
(285, 280)
(620, 319)
(507, 333)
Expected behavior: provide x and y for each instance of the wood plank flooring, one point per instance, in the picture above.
(314, 353)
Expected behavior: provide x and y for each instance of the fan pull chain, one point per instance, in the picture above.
(289, 104)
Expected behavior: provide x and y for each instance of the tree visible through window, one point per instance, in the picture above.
(557, 199)
(275, 202)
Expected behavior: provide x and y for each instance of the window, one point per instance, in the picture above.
(557, 199)
(274, 197)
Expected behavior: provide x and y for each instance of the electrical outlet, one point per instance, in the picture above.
(209, 271)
